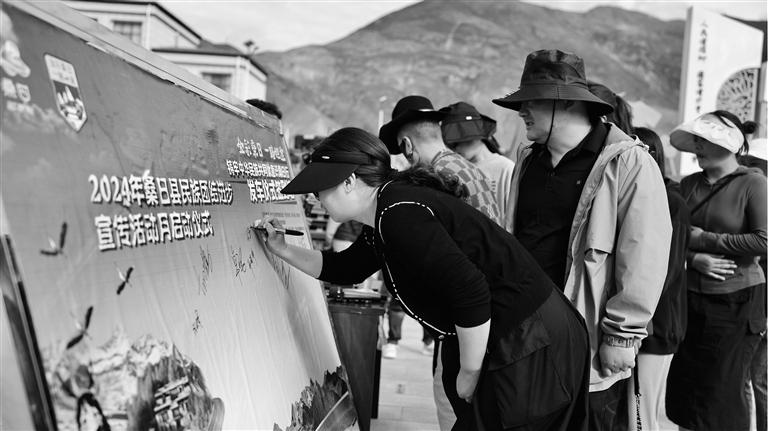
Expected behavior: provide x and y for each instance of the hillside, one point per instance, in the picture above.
(471, 51)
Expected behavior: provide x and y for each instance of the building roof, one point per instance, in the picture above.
(153, 3)
(210, 48)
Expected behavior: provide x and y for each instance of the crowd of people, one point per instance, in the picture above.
(577, 289)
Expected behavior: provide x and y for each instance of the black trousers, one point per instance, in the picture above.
(539, 383)
(705, 387)
(609, 408)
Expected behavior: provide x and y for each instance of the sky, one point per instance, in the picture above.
(279, 25)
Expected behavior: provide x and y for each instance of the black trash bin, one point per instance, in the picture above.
(355, 324)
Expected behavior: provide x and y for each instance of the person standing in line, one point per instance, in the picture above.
(726, 286)
(415, 132)
(667, 328)
(622, 112)
(470, 134)
(514, 350)
(758, 382)
(589, 204)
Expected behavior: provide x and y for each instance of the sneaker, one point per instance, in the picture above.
(428, 349)
(389, 351)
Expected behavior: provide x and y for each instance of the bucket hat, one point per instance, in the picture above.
(716, 130)
(463, 122)
(551, 74)
(603, 92)
(326, 169)
(407, 110)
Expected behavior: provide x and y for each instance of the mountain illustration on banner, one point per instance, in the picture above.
(144, 383)
(66, 91)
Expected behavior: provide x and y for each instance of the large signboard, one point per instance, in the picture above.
(141, 298)
(721, 70)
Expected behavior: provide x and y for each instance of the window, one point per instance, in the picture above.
(221, 80)
(129, 29)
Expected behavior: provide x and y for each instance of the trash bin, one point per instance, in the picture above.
(356, 323)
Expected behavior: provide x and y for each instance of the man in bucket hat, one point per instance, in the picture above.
(589, 203)
(470, 134)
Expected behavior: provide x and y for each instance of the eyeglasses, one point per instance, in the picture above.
(316, 195)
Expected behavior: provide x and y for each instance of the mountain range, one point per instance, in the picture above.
(472, 51)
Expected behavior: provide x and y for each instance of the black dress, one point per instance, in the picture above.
(450, 265)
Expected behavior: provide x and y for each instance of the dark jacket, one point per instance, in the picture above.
(734, 224)
(450, 265)
(667, 328)
(446, 262)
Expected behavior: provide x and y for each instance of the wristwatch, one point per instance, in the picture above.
(619, 342)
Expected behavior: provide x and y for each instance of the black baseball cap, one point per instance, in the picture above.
(326, 169)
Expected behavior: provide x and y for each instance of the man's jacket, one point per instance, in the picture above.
(619, 244)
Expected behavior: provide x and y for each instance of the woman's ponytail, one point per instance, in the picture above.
(427, 177)
(746, 128)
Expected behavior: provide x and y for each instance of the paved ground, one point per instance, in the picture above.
(405, 398)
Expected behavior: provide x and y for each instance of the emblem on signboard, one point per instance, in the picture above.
(66, 91)
(10, 60)
(738, 94)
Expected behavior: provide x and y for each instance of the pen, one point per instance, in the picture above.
(291, 232)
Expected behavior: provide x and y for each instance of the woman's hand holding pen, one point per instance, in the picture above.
(275, 241)
(272, 232)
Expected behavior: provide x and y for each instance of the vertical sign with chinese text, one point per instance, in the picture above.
(721, 60)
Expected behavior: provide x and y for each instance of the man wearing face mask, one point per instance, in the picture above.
(415, 132)
(589, 204)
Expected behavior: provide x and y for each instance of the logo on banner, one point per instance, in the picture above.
(66, 91)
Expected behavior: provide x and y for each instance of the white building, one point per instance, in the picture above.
(150, 25)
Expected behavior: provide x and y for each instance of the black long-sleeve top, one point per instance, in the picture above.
(448, 263)
(667, 328)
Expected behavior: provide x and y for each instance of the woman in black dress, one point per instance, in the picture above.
(515, 352)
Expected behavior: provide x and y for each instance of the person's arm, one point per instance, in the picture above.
(420, 239)
(306, 260)
(353, 264)
(350, 266)
(472, 346)
(641, 249)
(751, 243)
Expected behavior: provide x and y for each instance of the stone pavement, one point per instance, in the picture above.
(405, 397)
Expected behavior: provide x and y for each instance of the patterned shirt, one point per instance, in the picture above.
(480, 193)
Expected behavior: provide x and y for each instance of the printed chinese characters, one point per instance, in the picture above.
(266, 176)
(134, 230)
(702, 58)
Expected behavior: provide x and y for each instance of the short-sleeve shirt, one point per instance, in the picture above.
(480, 192)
